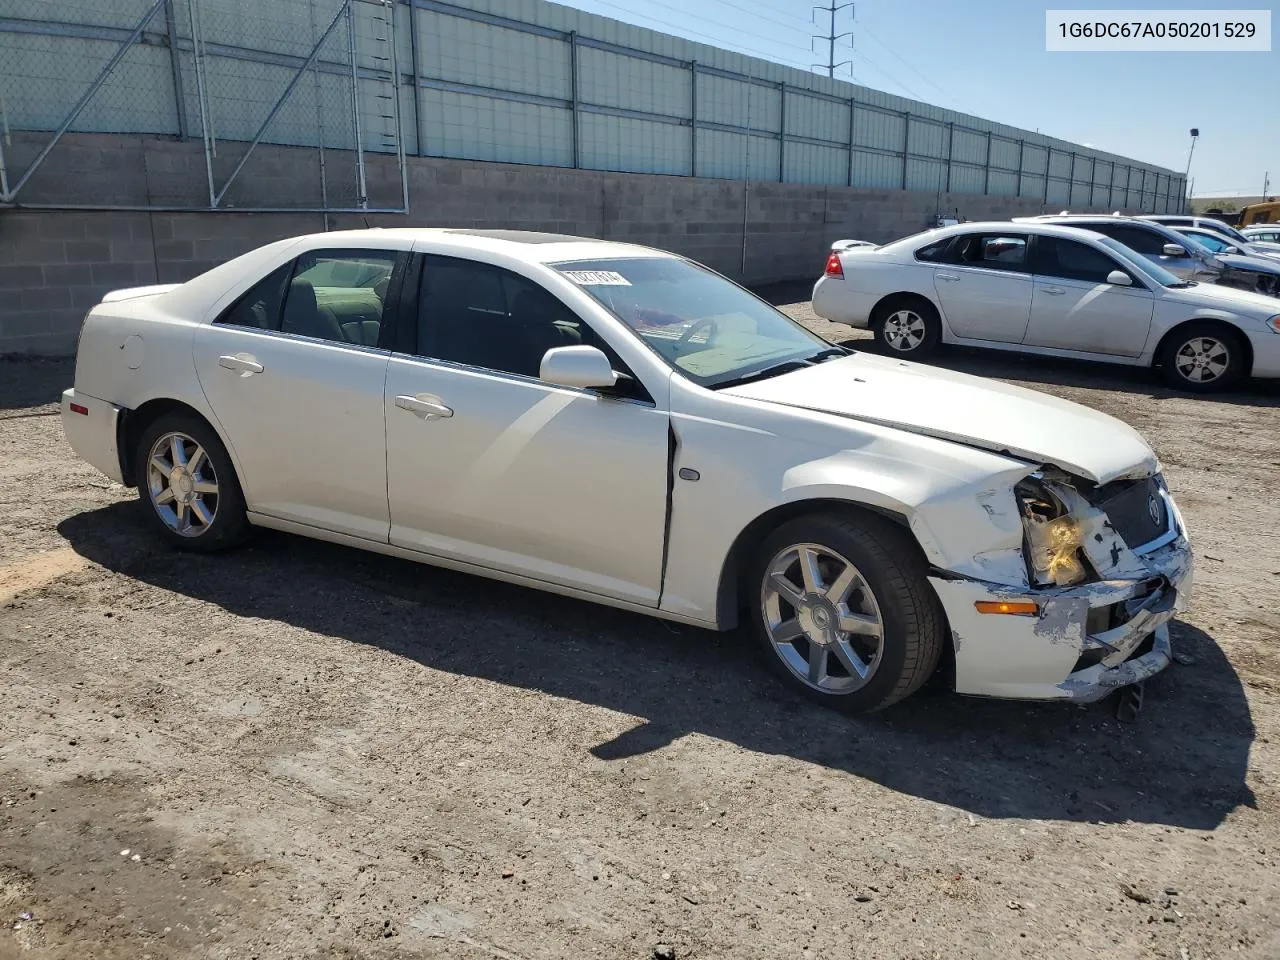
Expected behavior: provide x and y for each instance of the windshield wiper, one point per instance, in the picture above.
(786, 366)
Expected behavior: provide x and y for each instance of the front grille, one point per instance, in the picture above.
(1137, 510)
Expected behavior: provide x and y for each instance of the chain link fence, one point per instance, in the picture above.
(284, 100)
(303, 104)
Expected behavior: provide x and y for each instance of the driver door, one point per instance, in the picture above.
(489, 465)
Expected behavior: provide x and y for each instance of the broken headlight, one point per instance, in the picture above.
(1053, 536)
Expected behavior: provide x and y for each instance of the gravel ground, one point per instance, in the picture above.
(304, 751)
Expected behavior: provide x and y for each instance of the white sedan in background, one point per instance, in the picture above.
(622, 425)
(1049, 289)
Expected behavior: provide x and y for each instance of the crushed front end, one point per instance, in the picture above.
(1107, 567)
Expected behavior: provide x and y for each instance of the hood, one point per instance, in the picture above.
(965, 409)
(132, 293)
(1239, 261)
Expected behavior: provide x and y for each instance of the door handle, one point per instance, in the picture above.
(1053, 291)
(243, 365)
(427, 407)
(950, 277)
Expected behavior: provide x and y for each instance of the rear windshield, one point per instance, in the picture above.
(707, 327)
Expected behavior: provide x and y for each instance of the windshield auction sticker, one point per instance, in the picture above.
(597, 278)
(1157, 30)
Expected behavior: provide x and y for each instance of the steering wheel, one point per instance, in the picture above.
(695, 327)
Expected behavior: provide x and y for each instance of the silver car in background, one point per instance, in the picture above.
(1219, 245)
(1181, 255)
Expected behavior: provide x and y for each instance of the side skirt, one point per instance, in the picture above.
(462, 566)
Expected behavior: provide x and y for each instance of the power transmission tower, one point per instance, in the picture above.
(831, 36)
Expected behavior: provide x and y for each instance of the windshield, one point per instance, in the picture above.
(1142, 264)
(711, 330)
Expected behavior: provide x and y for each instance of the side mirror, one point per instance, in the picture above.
(1174, 250)
(1118, 278)
(582, 367)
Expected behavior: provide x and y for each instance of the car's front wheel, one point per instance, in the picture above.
(907, 327)
(187, 486)
(845, 612)
(1203, 357)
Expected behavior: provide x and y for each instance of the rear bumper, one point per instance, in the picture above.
(1086, 642)
(835, 299)
(92, 433)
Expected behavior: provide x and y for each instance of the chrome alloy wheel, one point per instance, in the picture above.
(904, 330)
(183, 484)
(1202, 359)
(822, 618)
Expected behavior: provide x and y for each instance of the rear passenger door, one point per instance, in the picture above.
(985, 287)
(293, 371)
(1074, 307)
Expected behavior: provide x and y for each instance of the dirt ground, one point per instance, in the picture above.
(304, 751)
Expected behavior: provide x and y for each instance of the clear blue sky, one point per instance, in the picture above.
(987, 58)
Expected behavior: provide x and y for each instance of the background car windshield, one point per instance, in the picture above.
(1140, 263)
(706, 327)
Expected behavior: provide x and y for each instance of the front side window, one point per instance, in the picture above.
(1072, 260)
(1149, 243)
(706, 327)
(998, 251)
(484, 316)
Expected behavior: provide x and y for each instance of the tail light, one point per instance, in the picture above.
(834, 269)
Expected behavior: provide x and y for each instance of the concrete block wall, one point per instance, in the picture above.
(55, 264)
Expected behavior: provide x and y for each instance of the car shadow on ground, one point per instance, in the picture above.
(1182, 764)
(1030, 368)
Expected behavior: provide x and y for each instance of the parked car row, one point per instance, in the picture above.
(1091, 287)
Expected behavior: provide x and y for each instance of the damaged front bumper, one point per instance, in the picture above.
(1085, 642)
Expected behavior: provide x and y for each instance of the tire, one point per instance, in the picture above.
(907, 327)
(887, 589)
(203, 509)
(1203, 350)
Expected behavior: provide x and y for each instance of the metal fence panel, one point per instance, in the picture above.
(512, 80)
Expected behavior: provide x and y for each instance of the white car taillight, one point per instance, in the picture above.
(834, 269)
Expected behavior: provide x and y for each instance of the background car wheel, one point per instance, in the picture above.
(844, 610)
(907, 327)
(187, 486)
(1203, 357)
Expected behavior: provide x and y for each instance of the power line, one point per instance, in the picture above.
(867, 30)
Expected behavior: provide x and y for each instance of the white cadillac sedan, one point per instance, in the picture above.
(1050, 289)
(622, 425)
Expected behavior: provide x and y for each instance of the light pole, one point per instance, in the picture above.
(1186, 177)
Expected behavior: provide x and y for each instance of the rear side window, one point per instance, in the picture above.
(260, 307)
(936, 251)
(1000, 251)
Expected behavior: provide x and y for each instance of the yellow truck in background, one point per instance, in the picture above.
(1266, 212)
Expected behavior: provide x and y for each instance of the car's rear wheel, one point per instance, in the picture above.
(907, 327)
(187, 486)
(844, 610)
(1203, 357)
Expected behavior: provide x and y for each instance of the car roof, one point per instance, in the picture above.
(1017, 225)
(528, 245)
